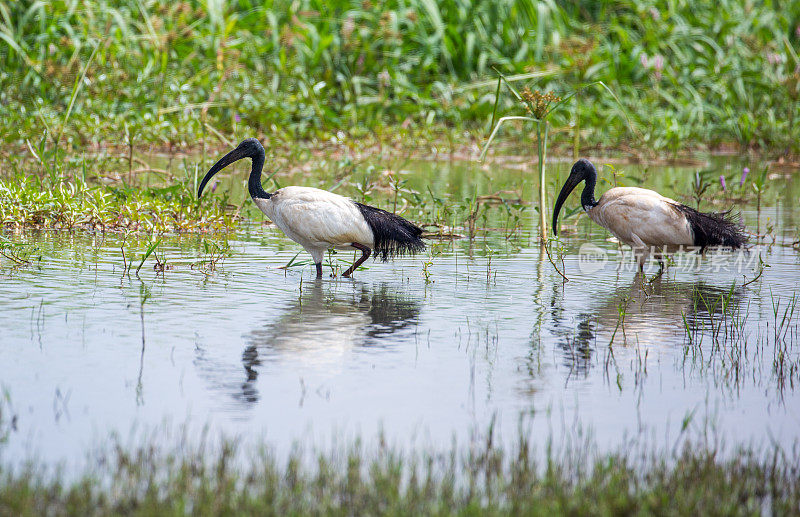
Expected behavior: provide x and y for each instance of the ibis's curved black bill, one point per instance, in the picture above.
(581, 170)
(249, 148)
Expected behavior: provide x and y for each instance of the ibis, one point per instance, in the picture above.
(320, 220)
(647, 221)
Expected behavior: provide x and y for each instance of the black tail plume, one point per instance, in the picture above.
(714, 228)
(393, 235)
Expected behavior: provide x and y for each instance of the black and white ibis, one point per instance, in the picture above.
(320, 220)
(647, 221)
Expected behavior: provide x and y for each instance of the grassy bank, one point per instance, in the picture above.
(34, 203)
(357, 480)
(133, 73)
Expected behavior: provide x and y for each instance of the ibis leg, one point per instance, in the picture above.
(365, 253)
(319, 269)
(660, 270)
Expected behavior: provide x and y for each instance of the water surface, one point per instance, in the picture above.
(486, 332)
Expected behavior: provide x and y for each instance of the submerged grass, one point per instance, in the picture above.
(357, 480)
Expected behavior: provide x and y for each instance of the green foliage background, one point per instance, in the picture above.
(688, 73)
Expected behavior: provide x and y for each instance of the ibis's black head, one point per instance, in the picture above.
(249, 148)
(582, 170)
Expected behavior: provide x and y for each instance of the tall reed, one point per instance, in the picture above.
(539, 106)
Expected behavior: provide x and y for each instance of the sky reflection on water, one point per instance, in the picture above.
(255, 352)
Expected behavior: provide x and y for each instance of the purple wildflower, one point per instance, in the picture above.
(773, 58)
(722, 182)
(745, 171)
(655, 13)
(797, 31)
(214, 186)
(236, 117)
(643, 59)
(348, 26)
(658, 64)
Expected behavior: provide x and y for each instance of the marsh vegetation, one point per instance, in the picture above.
(131, 74)
(451, 382)
(354, 479)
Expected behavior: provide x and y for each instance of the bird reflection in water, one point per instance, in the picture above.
(644, 315)
(323, 326)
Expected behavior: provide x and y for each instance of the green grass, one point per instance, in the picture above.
(29, 201)
(366, 480)
(132, 73)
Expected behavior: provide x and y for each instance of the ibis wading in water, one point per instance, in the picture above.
(320, 220)
(647, 221)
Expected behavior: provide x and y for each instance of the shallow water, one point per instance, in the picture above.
(492, 334)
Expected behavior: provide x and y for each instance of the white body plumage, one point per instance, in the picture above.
(642, 218)
(317, 219)
(646, 220)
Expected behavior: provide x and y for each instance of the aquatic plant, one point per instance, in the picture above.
(759, 186)
(699, 186)
(426, 269)
(31, 202)
(214, 254)
(151, 247)
(18, 253)
(745, 172)
(539, 106)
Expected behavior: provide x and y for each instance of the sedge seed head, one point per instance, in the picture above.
(538, 103)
